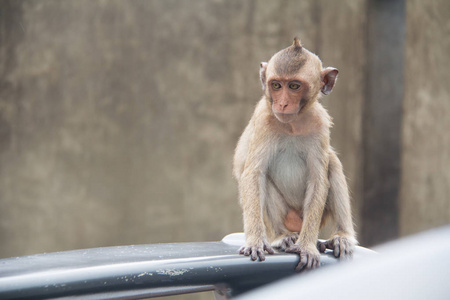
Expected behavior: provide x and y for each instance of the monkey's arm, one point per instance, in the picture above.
(314, 204)
(343, 240)
(251, 180)
(241, 152)
(256, 241)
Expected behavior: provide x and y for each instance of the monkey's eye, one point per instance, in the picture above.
(276, 85)
(294, 86)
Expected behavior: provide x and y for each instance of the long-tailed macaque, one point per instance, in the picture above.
(290, 179)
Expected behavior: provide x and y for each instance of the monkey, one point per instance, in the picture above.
(290, 179)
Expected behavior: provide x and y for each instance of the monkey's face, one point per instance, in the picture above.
(292, 81)
(288, 96)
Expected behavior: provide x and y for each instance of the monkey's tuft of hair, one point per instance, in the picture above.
(297, 44)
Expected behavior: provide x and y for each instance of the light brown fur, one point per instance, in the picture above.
(285, 167)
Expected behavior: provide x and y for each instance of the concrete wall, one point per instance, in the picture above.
(425, 188)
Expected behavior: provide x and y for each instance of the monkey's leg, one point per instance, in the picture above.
(276, 212)
(343, 241)
(306, 244)
(313, 207)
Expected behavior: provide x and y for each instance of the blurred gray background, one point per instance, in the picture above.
(118, 119)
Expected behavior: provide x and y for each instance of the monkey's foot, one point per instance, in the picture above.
(256, 250)
(309, 258)
(285, 241)
(341, 245)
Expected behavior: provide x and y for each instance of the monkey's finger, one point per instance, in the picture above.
(253, 254)
(345, 255)
(343, 250)
(303, 261)
(269, 249)
(337, 249)
(316, 264)
(293, 249)
(304, 258)
(310, 262)
(245, 250)
(294, 238)
(290, 243)
(329, 244)
(300, 267)
(260, 254)
(321, 246)
(350, 254)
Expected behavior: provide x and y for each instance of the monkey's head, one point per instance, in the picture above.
(293, 79)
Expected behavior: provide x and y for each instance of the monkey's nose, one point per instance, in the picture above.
(283, 106)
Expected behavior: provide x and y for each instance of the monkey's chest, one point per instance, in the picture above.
(288, 176)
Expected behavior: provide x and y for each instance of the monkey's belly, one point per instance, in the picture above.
(288, 175)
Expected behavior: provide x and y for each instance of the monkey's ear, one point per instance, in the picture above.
(329, 76)
(262, 74)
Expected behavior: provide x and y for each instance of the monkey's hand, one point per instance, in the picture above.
(256, 249)
(341, 244)
(309, 256)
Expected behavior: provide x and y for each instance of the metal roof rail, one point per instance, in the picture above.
(145, 271)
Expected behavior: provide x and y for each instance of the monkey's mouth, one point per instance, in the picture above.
(285, 118)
